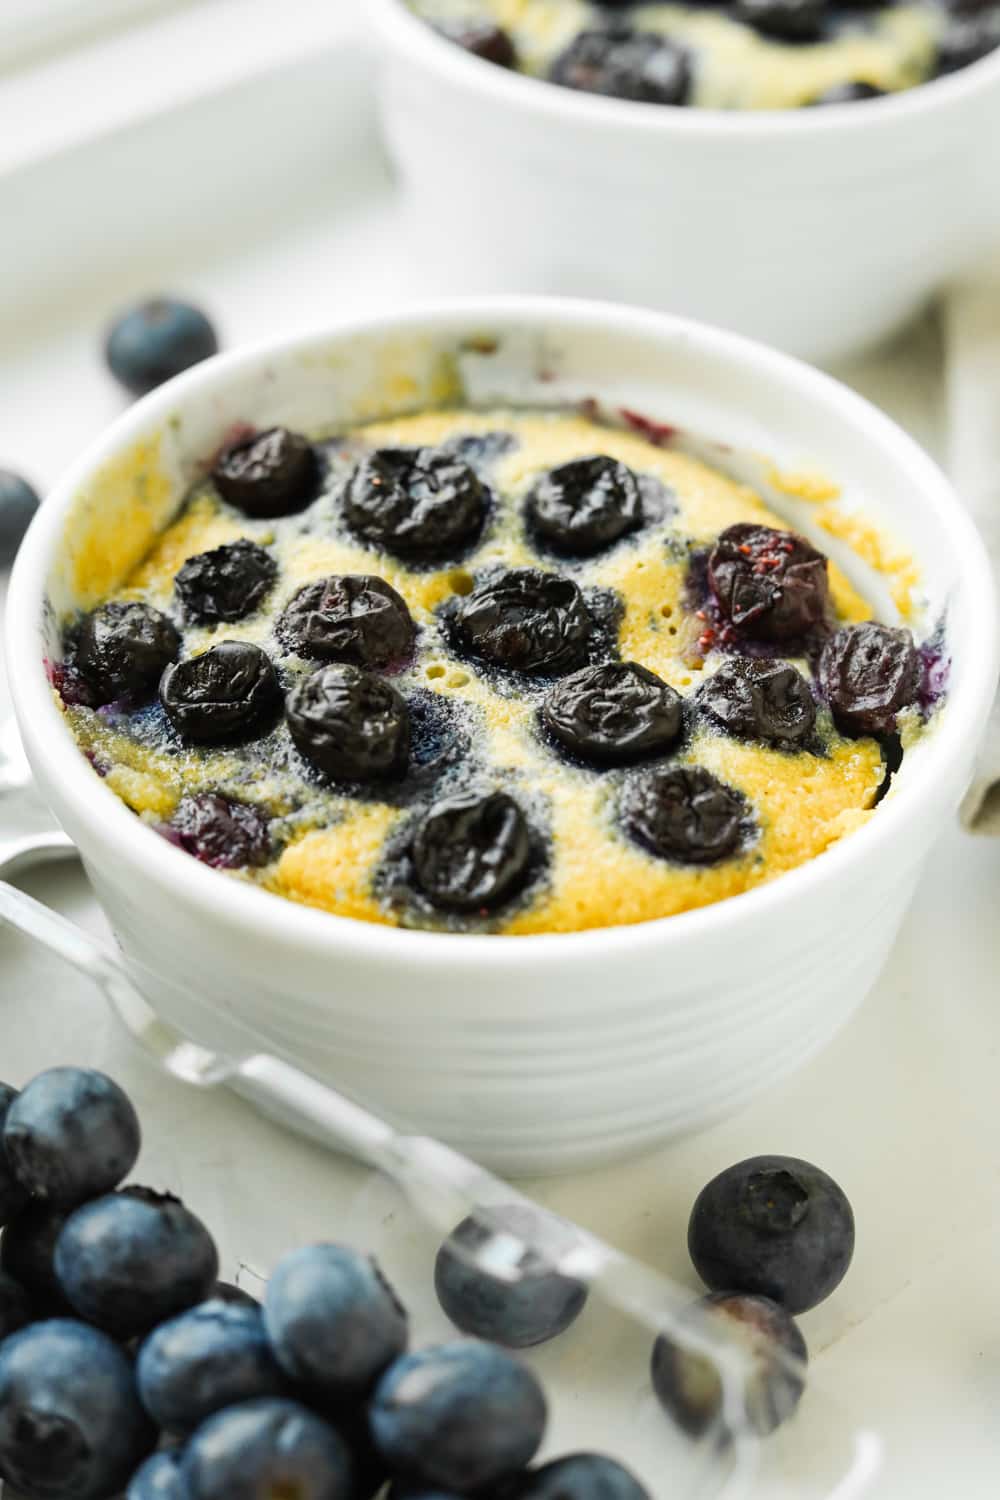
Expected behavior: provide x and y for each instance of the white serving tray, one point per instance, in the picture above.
(266, 199)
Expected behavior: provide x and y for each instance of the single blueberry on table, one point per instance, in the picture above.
(130, 1260)
(458, 1417)
(580, 1476)
(27, 1252)
(160, 1478)
(536, 1307)
(270, 1449)
(71, 1425)
(334, 1321)
(227, 583)
(72, 1134)
(774, 1226)
(212, 1356)
(122, 650)
(268, 474)
(155, 341)
(689, 1386)
(350, 724)
(15, 1308)
(472, 851)
(18, 504)
(13, 1194)
(229, 691)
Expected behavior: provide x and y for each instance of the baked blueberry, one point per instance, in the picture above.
(352, 617)
(131, 1259)
(459, 1416)
(18, 504)
(582, 507)
(210, 1357)
(868, 673)
(472, 851)
(967, 39)
(71, 1426)
(625, 64)
(268, 474)
(71, 1134)
(27, 1253)
(774, 1226)
(759, 700)
(849, 93)
(160, 1478)
(155, 341)
(536, 1307)
(424, 503)
(226, 692)
(221, 831)
(787, 20)
(683, 813)
(492, 43)
(613, 713)
(227, 583)
(268, 1449)
(350, 724)
(771, 585)
(524, 621)
(580, 1476)
(334, 1321)
(13, 1195)
(689, 1386)
(122, 649)
(15, 1308)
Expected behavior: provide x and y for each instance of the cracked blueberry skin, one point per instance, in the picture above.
(580, 1476)
(155, 341)
(472, 851)
(625, 64)
(213, 1356)
(334, 1321)
(15, 1307)
(583, 507)
(355, 618)
(683, 813)
(613, 714)
(229, 691)
(226, 584)
(268, 1449)
(222, 832)
(160, 1478)
(525, 620)
(71, 1426)
(13, 1194)
(689, 1386)
(349, 724)
(122, 650)
(786, 20)
(537, 1307)
(268, 474)
(130, 1260)
(774, 1226)
(458, 1417)
(422, 503)
(759, 700)
(18, 503)
(27, 1252)
(868, 674)
(492, 43)
(770, 585)
(72, 1134)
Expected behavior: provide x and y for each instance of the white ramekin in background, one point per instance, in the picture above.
(549, 1052)
(818, 230)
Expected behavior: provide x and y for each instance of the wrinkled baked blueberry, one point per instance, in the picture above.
(613, 713)
(526, 621)
(227, 583)
(683, 813)
(584, 506)
(351, 725)
(416, 502)
(123, 648)
(227, 691)
(155, 341)
(625, 64)
(788, 20)
(269, 474)
(759, 700)
(222, 832)
(772, 585)
(472, 851)
(867, 674)
(482, 39)
(849, 93)
(353, 617)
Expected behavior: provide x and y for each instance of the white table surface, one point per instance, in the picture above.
(902, 1106)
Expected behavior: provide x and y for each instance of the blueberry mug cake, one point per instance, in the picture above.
(503, 671)
(725, 54)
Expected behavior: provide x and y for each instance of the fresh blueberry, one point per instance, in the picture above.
(134, 1258)
(849, 93)
(416, 502)
(472, 851)
(482, 39)
(580, 1476)
(625, 64)
(222, 832)
(227, 583)
(774, 1226)
(334, 1321)
(18, 503)
(71, 1424)
(689, 1386)
(72, 1134)
(771, 585)
(27, 1252)
(228, 691)
(684, 813)
(13, 1195)
(354, 617)
(268, 474)
(613, 713)
(212, 1356)
(160, 1478)
(458, 1417)
(237, 1296)
(759, 700)
(787, 20)
(536, 1307)
(155, 341)
(582, 507)
(122, 649)
(268, 1449)
(868, 674)
(525, 621)
(349, 723)
(15, 1308)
